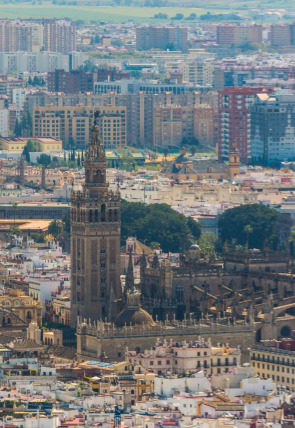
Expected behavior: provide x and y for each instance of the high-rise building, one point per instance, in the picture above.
(238, 35)
(280, 35)
(206, 125)
(150, 37)
(59, 36)
(71, 82)
(273, 127)
(234, 121)
(199, 73)
(73, 124)
(95, 241)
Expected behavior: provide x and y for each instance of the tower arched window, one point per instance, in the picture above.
(90, 216)
(103, 213)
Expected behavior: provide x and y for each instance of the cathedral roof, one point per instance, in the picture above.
(134, 316)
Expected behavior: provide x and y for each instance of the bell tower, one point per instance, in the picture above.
(95, 240)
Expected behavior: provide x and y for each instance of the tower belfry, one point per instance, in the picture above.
(95, 240)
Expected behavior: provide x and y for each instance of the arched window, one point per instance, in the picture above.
(96, 216)
(29, 315)
(90, 216)
(103, 213)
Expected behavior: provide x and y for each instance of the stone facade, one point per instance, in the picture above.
(95, 241)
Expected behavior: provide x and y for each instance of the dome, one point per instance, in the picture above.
(135, 317)
(194, 247)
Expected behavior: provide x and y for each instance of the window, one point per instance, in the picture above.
(151, 363)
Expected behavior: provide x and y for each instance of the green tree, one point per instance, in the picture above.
(248, 229)
(78, 160)
(194, 227)
(155, 223)
(15, 207)
(263, 220)
(31, 146)
(14, 230)
(44, 159)
(193, 150)
(55, 228)
(38, 237)
(26, 154)
(17, 129)
(165, 151)
(207, 243)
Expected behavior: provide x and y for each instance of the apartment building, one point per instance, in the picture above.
(70, 82)
(59, 36)
(206, 125)
(273, 127)
(72, 124)
(199, 73)
(280, 34)
(139, 108)
(275, 360)
(238, 35)
(234, 121)
(150, 37)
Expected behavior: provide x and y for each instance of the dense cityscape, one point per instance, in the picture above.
(147, 214)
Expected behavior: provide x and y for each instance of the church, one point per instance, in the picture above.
(242, 299)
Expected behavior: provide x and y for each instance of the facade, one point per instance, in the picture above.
(199, 73)
(139, 108)
(95, 241)
(206, 125)
(273, 127)
(234, 121)
(17, 145)
(24, 307)
(59, 36)
(150, 37)
(33, 62)
(73, 124)
(25, 36)
(4, 122)
(71, 82)
(186, 357)
(280, 35)
(275, 360)
(238, 35)
(172, 124)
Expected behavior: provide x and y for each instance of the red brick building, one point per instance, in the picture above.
(72, 82)
(234, 127)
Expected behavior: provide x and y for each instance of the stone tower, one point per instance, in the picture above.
(233, 163)
(95, 240)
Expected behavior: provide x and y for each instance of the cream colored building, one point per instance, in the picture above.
(275, 360)
(200, 73)
(186, 357)
(73, 124)
(25, 307)
(17, 145)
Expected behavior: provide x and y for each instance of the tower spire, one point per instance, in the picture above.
(95, 239)
(129, 284)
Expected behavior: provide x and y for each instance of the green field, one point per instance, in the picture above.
(95, 13)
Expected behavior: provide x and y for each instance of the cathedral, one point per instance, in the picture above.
(245, 297)
(95, 240)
